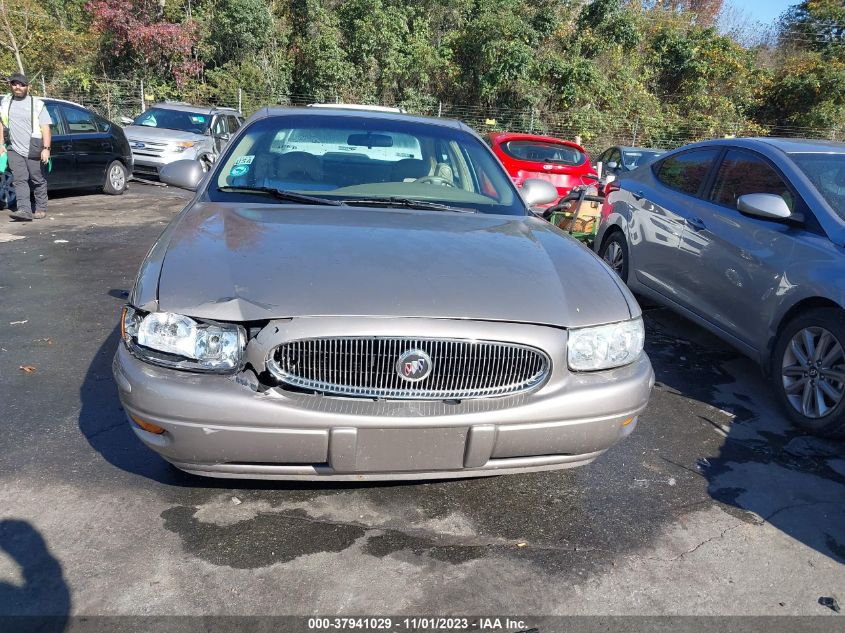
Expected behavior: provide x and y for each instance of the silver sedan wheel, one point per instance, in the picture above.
(813, 372)
(117, 177)
(614, 257)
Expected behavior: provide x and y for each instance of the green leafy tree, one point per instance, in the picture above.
(239, 29)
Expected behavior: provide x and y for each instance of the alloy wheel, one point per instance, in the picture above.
(614, 257)
(117, 177)
(813, 372)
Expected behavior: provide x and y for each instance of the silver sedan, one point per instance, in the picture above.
(365, 295)
(745, 237)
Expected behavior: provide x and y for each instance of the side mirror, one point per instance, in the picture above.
(225, 136)
(613, 165)
(125, 120)
(764, 205)
(535, 192)
(185, 174)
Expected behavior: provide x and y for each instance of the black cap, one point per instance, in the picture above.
(19, 77)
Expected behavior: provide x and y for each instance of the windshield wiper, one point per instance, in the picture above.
(406, 203)
(283, 194)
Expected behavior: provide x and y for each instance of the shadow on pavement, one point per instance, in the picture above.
(766, 470)
(42, 602)
(103, 423)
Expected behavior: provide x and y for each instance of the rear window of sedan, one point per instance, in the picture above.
(544, 152)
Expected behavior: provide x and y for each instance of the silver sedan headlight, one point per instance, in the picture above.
(605, 346)
(180, 342)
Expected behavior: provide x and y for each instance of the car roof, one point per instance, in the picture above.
(631, 148)
(502, 137)
(187, 107)
(356, 106)
(805, 146)
(65, 101)
(326, 111)
(784, 145)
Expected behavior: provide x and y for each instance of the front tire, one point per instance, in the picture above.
(116, 179)
(808, 371)
(614, 251)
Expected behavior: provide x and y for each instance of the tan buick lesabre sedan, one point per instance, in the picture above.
(357, 295)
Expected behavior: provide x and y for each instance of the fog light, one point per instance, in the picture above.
(148, 426)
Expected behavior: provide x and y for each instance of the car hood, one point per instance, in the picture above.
(158, 134)
(236, 263)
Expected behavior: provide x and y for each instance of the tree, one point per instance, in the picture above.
(239, 28)
(151, 44)
(17, 28)
(815, 25)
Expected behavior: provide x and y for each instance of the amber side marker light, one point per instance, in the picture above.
(123, 324)
(628, 421)
(148, 426)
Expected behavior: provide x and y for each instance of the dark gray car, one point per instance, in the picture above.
(745, 237)
(620, 159)
(365, 295)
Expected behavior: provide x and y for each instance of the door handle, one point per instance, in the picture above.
(105, 145)
(66, 147)
(696, 224)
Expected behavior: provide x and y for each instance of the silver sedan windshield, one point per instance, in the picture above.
(827, 173)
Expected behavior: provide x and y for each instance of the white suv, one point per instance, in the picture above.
(172, 131)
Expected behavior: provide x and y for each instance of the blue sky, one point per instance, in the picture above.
(764, 10)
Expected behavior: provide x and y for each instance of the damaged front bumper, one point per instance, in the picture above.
(226, 426)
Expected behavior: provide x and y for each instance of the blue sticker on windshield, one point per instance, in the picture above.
(239, 170)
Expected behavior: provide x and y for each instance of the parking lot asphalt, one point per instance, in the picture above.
(714, 506)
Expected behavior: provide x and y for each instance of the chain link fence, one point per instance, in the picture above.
(594, 129)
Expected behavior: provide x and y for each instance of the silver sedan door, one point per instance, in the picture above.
(662, 201)
(735, 262)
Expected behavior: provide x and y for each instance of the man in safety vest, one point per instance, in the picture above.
(28, 124)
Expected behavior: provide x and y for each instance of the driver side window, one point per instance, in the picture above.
(742, 173)
(218, 127)
(57, 126)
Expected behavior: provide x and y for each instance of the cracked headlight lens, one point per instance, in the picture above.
(605, 346)
(180, 342)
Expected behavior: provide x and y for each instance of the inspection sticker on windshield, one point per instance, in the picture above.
(244, 160)
(239, 170)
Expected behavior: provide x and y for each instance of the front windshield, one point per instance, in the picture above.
(352, 158)
(195, 122)
(639, 157)
(827, 173)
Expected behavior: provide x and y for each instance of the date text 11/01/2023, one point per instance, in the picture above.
(418, 624)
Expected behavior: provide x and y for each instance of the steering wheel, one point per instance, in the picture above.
(436, 180)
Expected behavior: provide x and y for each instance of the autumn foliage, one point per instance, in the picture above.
(138, 29)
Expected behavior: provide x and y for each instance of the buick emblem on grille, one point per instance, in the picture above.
(137, 145)
(414, 365)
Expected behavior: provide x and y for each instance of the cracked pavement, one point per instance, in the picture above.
(714, 506)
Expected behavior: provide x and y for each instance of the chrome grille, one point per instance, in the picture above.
(366, 367)
(151, 148)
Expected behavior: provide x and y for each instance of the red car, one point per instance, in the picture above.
(563, 163)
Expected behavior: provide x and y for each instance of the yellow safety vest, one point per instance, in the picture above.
(37, 107)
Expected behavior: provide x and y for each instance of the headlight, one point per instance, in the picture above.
(605, 346)
(180, 342)
(181, 146)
